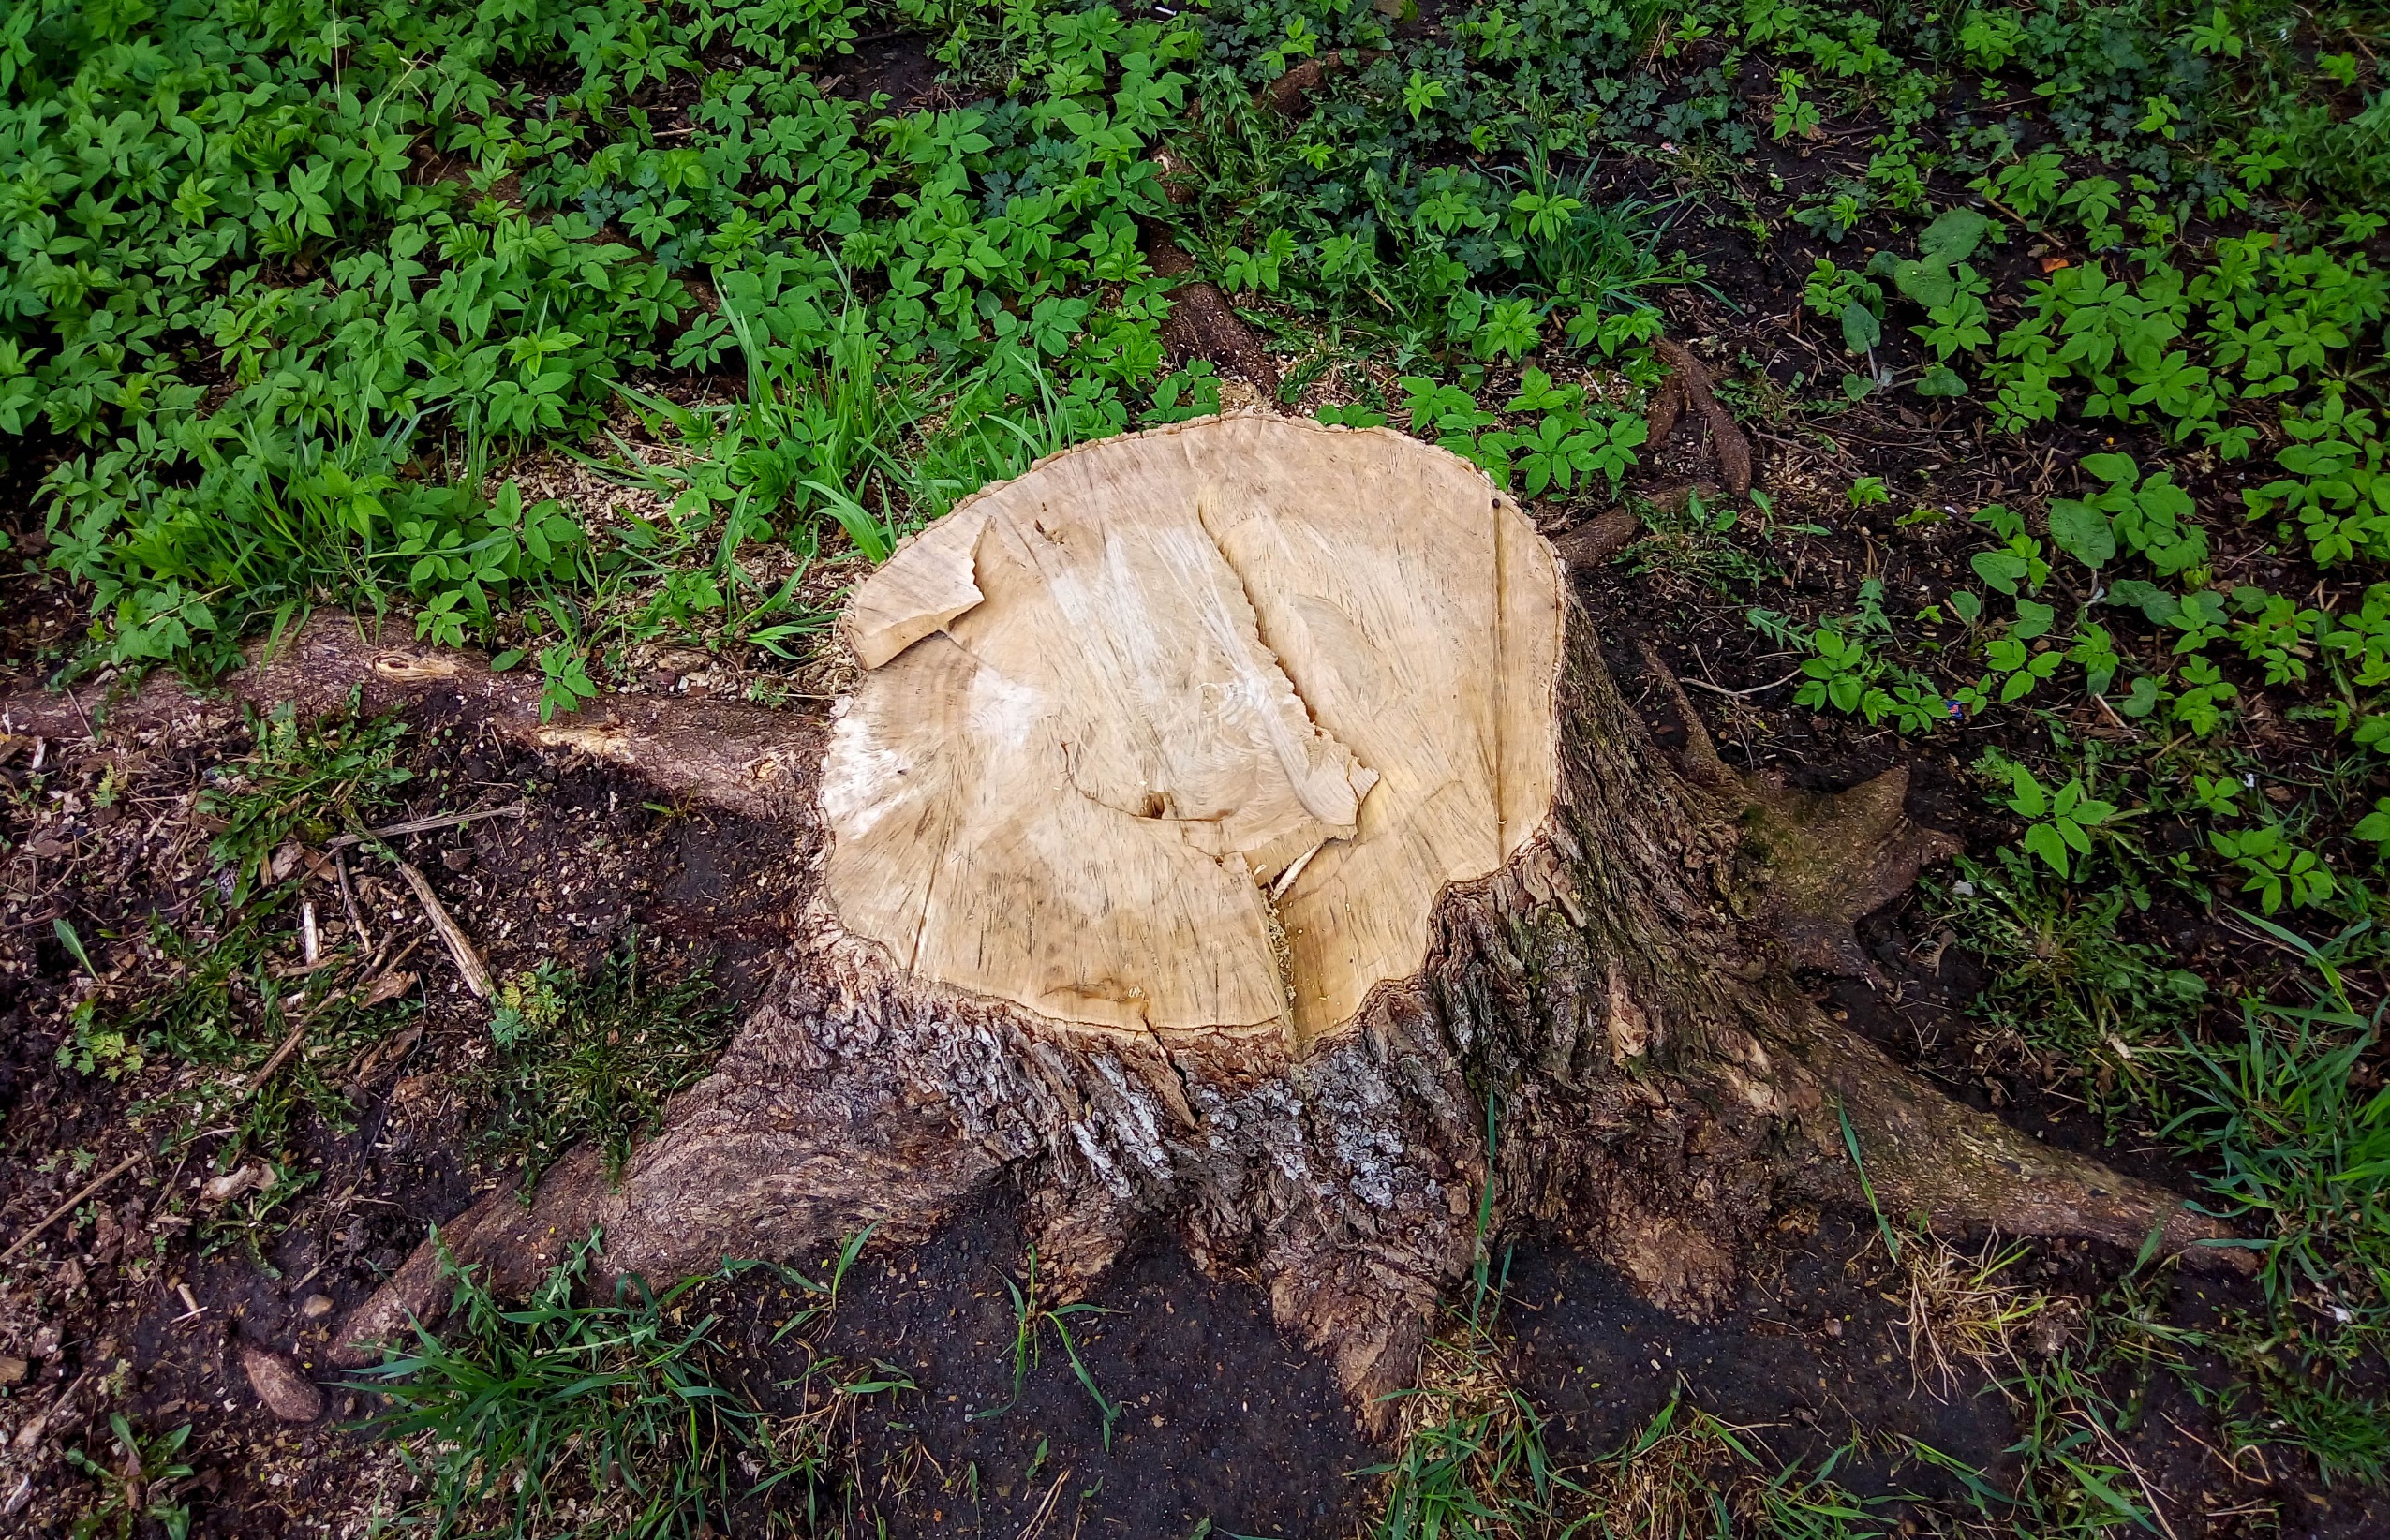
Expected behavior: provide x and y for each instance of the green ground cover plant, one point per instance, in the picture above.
(567, 1417)
(593, 1057)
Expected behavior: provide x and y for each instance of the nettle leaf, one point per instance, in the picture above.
(2083, 532)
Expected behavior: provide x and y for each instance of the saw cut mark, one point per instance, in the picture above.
(1182, 718)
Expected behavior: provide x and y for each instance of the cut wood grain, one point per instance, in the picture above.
(1111, 704)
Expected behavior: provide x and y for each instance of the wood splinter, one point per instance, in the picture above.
(469, 965)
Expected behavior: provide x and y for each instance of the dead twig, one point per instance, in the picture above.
(1755, 690)
(288, 1046)
(1044, 1514)
(460, 946)
(419, 825)
(71, 1204)
(348, 902)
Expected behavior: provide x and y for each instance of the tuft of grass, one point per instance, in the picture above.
(1032, 1318)
(2076, 1474)
(2302, 1153)
(1473, 1458)
(594, 1057)
(140, 1488)
(2310, 1408)
(303, 782)
(1665, 1481)
(1603, 253)
(563, 1417)
(2081, 999)
(1695, 539)
(1685, 1473)
(1961, 1310)
(814, 1452)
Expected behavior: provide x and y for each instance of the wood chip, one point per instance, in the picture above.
(460, 946)
(388, 986)
(246, 1178)
(409, 667)
(286, 1392)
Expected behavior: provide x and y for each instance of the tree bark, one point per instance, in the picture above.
(1607, 1028)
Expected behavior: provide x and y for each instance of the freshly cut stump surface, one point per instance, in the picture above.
(1189, 737)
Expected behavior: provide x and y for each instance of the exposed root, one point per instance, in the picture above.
(745, 760)
(756, 1160)
(1934, 1159)
(1831, 858)
(1688, 385)
(1202, 323)
(1834, 858)
(1289, 95)
(1597, 538)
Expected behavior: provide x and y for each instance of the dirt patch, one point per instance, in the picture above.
(134, 1303)
(1219, 1419)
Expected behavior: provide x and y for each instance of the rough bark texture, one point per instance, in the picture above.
(1615, 1006)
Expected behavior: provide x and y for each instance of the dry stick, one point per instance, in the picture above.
(418, 826)
(460, 946)
(274, 1061)
(348, 902)
(1755, 690)
(69, 1205)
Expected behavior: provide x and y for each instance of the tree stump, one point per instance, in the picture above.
(1237, 826)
